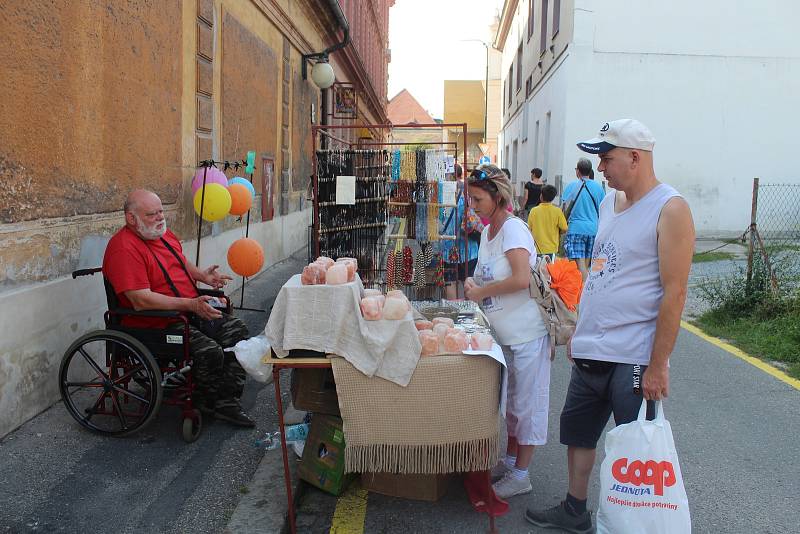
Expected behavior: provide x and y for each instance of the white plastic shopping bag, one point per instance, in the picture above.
(249, 353)
(641, 485)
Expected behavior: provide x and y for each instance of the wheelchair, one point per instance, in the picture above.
(114, 381)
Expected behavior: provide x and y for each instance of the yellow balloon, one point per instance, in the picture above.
(217, 202)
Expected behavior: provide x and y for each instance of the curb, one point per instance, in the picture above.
(262, 510)
(755, 362)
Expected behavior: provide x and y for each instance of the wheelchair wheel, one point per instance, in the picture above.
(192, 426)
(110, 383)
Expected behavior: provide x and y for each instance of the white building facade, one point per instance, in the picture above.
(718, 83)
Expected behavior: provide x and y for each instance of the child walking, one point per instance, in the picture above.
(546, 223)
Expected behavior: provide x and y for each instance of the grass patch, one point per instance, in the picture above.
(774, 338)
(703, 257)
(761, 322)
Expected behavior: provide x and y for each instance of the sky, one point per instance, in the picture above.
(425, 37)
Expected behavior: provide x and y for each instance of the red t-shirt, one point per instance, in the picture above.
(130, 263)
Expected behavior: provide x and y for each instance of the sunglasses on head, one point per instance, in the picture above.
(478, 175)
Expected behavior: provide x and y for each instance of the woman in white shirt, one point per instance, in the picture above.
(500, 286)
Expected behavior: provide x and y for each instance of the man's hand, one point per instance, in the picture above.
(201, 308)
(655, 382)
(215, 279)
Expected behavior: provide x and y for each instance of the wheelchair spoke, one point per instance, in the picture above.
(93, 410)
(83, 384)
(131, 394)
(128, 375)
(93, 364)
(118, 409)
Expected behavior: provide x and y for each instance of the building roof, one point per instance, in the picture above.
(404, 109)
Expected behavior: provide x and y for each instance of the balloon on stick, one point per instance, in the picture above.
(216, 202)
(245, 182)
(241, 200)
(245, 256)
(213, 176)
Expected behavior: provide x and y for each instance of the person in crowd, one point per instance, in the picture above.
(630, 308)
(546, 223)
(145, 265)
(454, 252)
(532, 193)
(500, 286)
(580, 202)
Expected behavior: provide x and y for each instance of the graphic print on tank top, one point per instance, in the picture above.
(606, 263)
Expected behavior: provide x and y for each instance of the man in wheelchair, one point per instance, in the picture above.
(145, 265)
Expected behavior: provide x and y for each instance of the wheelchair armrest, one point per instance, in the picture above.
(145, 313)
(84, 272)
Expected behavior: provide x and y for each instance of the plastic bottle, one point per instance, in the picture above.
(297, 432)
(269, 442)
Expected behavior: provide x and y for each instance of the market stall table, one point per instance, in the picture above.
(444, 421)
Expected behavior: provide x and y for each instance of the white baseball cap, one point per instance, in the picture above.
(622, 133)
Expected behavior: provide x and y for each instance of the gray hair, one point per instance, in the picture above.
(584, 167)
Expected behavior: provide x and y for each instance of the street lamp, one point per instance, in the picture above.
(486, 86)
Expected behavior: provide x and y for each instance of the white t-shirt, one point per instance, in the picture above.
(515, 317)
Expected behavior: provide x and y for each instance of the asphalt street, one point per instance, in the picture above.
(736, 430)
(56, 477)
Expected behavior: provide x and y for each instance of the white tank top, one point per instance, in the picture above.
(622, 295)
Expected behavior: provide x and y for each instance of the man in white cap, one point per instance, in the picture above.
(630, 308)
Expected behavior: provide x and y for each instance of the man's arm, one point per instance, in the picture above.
(210, 276)
(675, 248)
(145, 299)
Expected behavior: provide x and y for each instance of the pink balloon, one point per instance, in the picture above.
(213, 176)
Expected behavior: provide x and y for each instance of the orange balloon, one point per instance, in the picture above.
(245, 256)
(241, 199)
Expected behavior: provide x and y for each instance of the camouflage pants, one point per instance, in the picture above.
(218, 376)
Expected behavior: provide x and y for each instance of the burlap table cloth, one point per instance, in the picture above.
(444, 421)
(328, 319)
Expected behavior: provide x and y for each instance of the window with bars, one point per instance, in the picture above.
(519, 66)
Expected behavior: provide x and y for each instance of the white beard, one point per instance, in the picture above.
(151, 232)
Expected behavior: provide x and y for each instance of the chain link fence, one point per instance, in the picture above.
(774, 235)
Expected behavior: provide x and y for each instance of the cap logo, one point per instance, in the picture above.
(605, 128)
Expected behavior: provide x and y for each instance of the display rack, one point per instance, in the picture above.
(393, 228)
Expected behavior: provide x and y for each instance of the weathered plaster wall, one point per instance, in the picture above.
(105, 99)
(75, 98)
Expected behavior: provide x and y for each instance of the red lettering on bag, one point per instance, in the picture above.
(649, 473)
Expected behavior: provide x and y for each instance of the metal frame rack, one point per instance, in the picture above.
(386, 210)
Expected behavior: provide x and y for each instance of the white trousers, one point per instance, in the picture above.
(528, 390)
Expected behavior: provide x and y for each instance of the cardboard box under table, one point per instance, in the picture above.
(444, 421)
(323, 455)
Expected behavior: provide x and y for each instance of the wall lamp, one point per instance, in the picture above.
(321, 73)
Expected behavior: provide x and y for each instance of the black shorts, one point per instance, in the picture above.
(596, 390)
(451, 269)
